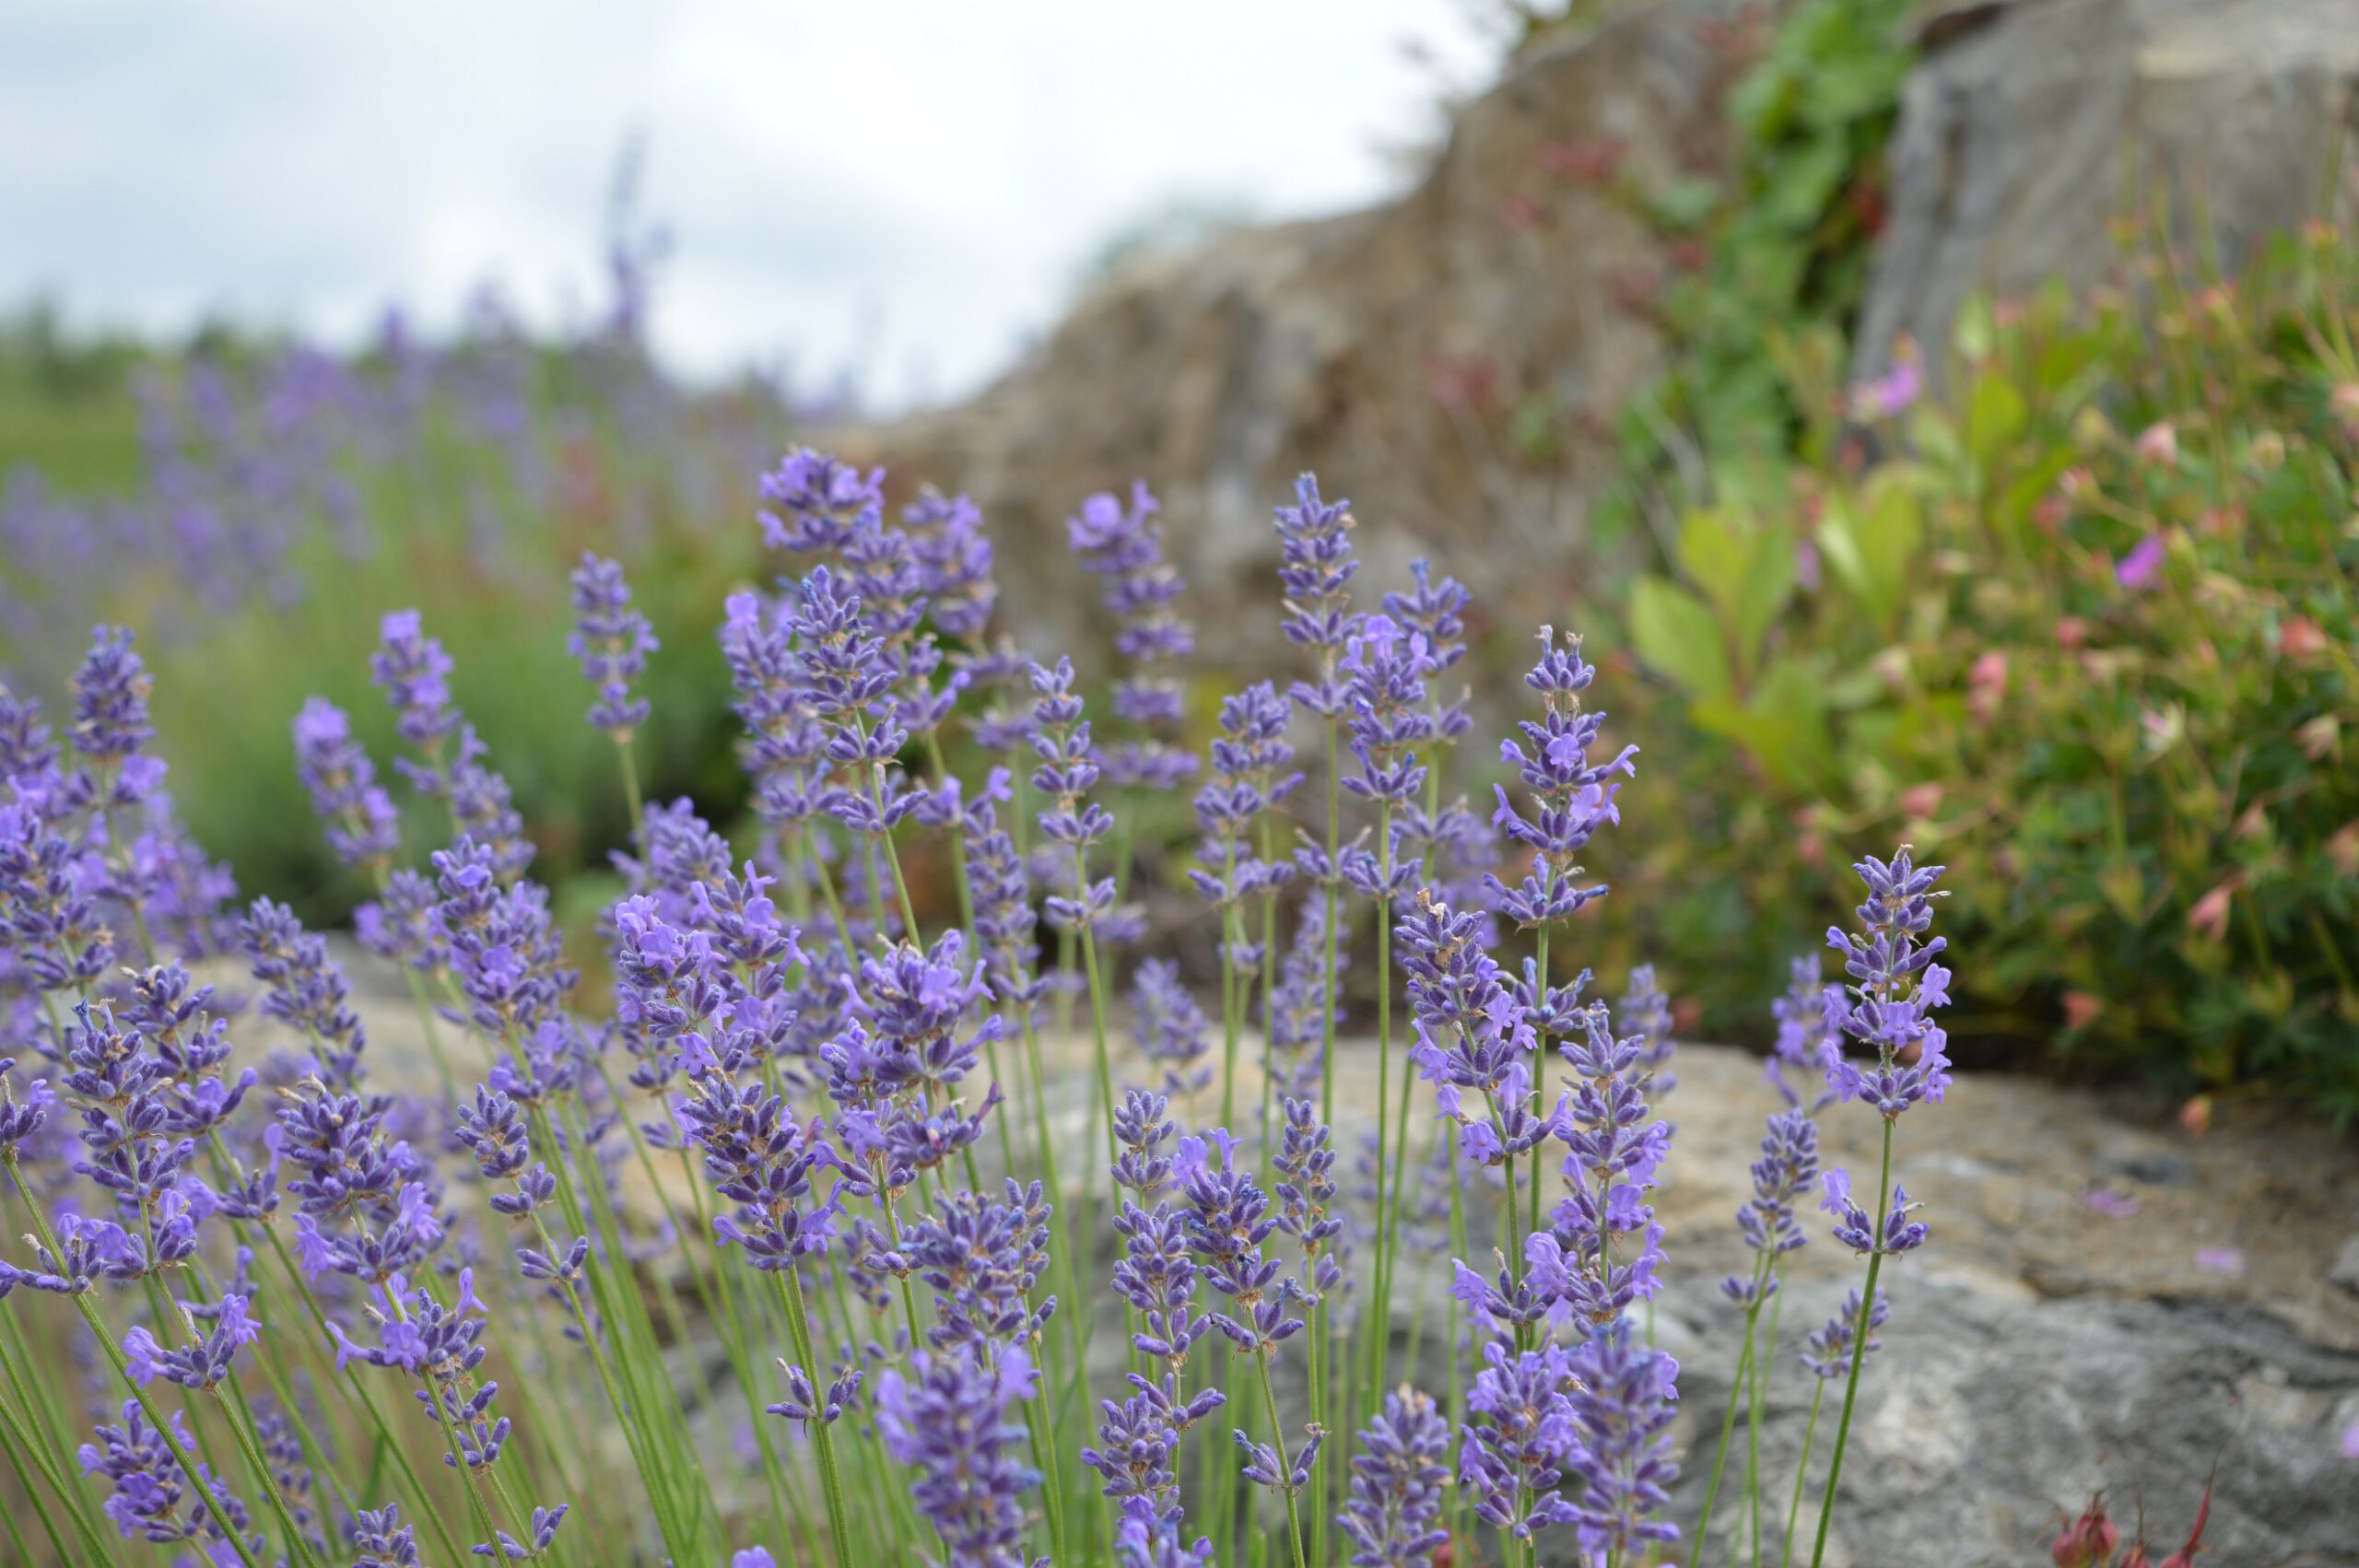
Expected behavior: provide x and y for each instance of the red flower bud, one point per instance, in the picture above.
(2088, 1542)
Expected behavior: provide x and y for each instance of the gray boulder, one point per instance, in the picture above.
(2020, 127)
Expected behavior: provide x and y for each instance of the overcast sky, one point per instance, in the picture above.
(915, 184)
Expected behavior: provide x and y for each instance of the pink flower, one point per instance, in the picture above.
(1986, 685)
(2298, 635)
(2350, 1441)
(2143, 563)
(2221, 1260)
(2209, 913)
(2158, 443)
(1891, 394)
(2081, 1009)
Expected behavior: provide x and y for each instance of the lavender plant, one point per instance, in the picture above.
(734, 1174)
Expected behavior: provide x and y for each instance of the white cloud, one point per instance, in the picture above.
(928, 176)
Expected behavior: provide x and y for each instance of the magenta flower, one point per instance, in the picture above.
(2139, 569)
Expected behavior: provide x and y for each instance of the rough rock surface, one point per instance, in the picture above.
(2018, 129)
(2184, 1322)
(1371, 347)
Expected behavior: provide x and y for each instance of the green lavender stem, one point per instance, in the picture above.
(1728, 1421)
(1801, 1472)
(1859, 1354)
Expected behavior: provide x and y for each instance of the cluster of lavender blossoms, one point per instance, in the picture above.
(765, 1157)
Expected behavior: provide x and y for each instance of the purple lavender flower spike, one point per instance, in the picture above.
(810, 501)
(1827, 1353)
(415, 673)
(1067, 773)
(1396, 1485)
(382, 1540)
(951, 1420)
(1385, 668)
(1004, 915)
(542, 1532)
(612, 640)
(1148, 1539)
(1572, 797)
(1228, 1218)
(1856, 1228)
(846, 674)
(110, 700)
(1436, 612)
(363, 828)
(1621, 1405)
(21, 1115)
(1898, 987)
(1512, 1456)
(1803, 1031)
(152, 1494)
(306, 988)
(1645, 1010)
(1786, 1169)
(1307, 1195)
(49, 906)
(1300, 1011)
(1474, 1044)
(954, 555)
(1314, 575)
(983, 1260)
(404, 925)
(1125, 547)
(201, 1366)
(1613, 1154)
(1169, 1027)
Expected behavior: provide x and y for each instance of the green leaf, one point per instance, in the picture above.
(1783, 724)
(1677, 634)
(1995, 416)
(1976, 332)
(1761, 597)
(1716, 550)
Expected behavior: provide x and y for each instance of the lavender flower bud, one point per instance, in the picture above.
(1396, 1485)
(1898, 987)
(1827, 1353)
(950, 1421)
(612, 640)
(1314, 576)
(363, 827)
(1621, 1405)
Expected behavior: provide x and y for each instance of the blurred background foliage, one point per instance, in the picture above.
(253, 509)
(2066, 601)
(2081, 626)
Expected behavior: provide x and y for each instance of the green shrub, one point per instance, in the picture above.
(2088, 636)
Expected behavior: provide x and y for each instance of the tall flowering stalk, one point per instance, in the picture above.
(1067, 774)
(1227, 1220)
(1139, 1439)
(612, 640)
(1124, 545)
(1385, 670)
(1786, 1169)
(1250, 781)
(1571, 798)
(1314, 581)
(1396, 1485)
(1888, 1008)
